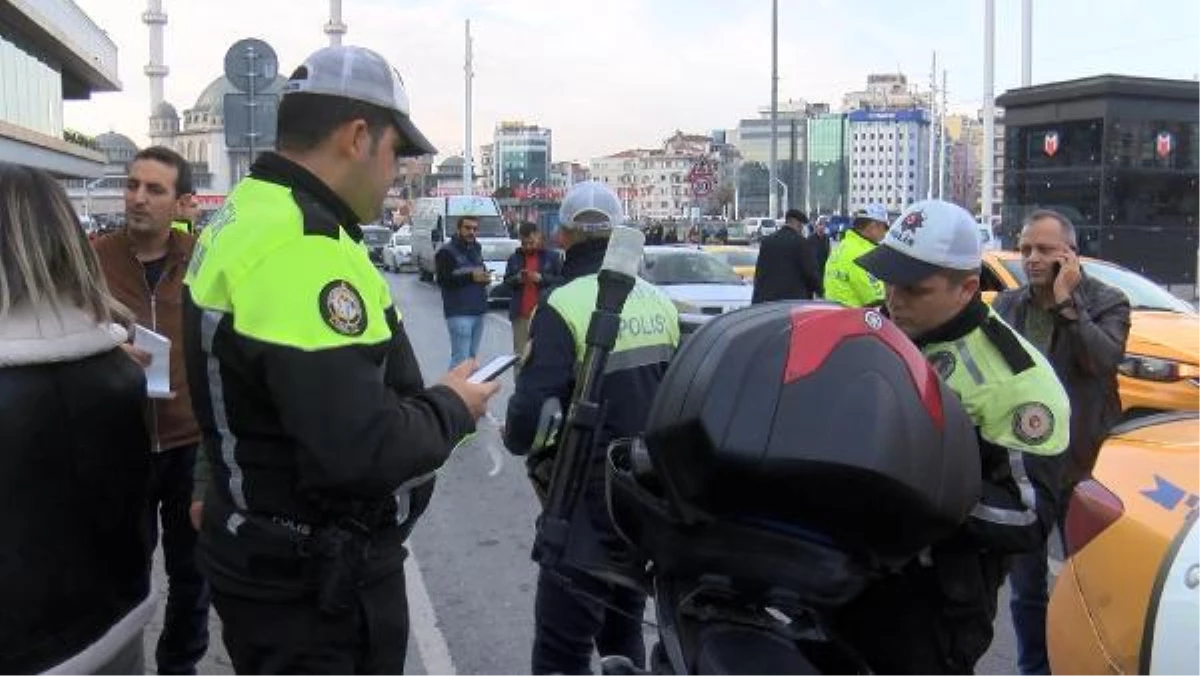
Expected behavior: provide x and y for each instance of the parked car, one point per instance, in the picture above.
(1126, 600)
(496, 253)
(398, 252)
(742, 259)
(375, 238)
(1161, 370)
(759, 227)
(697, 282)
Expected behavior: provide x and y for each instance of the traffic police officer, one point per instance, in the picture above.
(574, 611)
(319, 435)
(936, 616)
(845, 281)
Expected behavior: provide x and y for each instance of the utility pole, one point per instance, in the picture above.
(942, 142)
(989, 108)
(1026, 43)
(773, 170)
(468, 171)
(932, 120)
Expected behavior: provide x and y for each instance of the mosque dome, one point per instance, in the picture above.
(165, 109)
(212, 100)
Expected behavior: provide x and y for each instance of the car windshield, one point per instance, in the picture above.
(687, 267)
(499, 251)
(1143, 294)
(376, 234)
(738, 259)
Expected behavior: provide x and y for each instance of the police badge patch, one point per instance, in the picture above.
(944, 362)
(1033, 423)
(342, 308)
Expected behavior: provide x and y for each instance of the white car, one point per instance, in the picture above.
(397, 253)
(697, 282)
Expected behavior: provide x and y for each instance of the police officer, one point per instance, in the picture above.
(845, 281)
(319, 435)
(575, 612)
(936, 616)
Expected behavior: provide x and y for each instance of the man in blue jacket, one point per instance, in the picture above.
(531, 270)
(464, 281)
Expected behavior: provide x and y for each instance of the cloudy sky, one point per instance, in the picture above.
(606, 76)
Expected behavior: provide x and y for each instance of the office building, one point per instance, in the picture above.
(521, 155)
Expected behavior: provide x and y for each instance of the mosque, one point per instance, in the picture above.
(198, 134)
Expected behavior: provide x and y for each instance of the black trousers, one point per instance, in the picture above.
(184, 638)
(573, 615)
(295, 637)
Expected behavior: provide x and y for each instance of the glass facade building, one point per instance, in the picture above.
(828, 180)
(521, 155)
(1116, 155)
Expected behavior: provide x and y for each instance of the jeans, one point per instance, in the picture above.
(1027, 575)
(465, 333)
(184, 638)
(569, 621)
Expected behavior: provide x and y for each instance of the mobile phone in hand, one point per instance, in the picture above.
(1055, 269)
(492, 370)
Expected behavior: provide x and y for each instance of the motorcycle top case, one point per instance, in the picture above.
(814, 420)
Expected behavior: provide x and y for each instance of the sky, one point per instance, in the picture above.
(622, 74)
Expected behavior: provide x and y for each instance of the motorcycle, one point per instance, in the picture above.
(794, 453)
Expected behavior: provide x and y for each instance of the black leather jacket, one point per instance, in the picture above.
(73, 475)
(1085, 353)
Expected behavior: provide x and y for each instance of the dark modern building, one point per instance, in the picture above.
(1119, 156)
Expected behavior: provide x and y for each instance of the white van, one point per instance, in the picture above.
(435, 219)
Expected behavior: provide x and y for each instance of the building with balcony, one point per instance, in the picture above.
(50, 50)
(964, 160)
(886, 91)
(654, 184)
(521, 155)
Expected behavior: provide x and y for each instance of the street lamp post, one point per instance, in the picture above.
(786, 203)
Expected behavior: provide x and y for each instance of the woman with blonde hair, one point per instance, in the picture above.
(74, 456)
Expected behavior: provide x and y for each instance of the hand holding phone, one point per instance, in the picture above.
(492, 370)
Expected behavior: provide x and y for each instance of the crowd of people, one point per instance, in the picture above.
(298, 444)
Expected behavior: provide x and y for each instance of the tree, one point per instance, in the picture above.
(503, 192)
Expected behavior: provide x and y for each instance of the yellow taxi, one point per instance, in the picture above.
(1126, 600)
(1160, 371)
(742, 259)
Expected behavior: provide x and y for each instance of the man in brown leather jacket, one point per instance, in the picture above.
(1081, 324)
(144, 264)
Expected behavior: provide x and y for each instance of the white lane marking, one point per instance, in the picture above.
(423, 624)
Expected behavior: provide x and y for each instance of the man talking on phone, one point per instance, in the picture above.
(1080, 324)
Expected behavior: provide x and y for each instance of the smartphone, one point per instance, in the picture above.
(492, 370)
(1057, 268)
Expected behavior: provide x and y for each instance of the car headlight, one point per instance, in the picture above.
(1153, 368)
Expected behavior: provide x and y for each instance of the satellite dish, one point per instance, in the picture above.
(251, 59)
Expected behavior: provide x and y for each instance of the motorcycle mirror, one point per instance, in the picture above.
(549, 424)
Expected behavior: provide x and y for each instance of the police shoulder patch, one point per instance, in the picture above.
(342, 308)
(944, 362)
(1033, 422)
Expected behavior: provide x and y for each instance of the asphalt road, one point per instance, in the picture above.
(471, 581)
